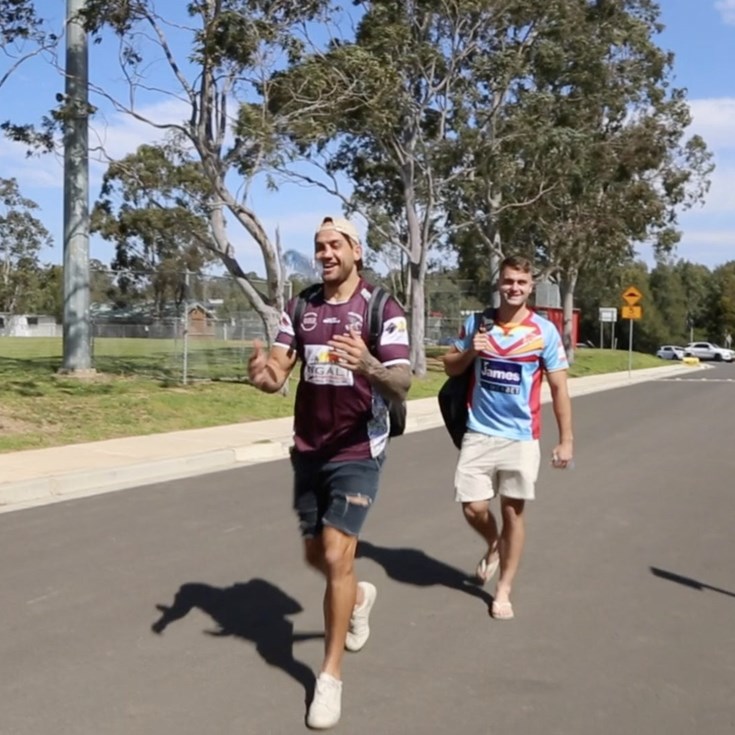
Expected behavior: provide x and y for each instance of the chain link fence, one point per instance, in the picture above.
(178, 326)
(182, 327)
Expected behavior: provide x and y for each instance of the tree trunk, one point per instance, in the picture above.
(418, 321)
(417, 285)
(568, 283)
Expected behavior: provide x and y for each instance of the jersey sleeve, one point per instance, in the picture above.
(286, 336)
(393, 348)
(466, 334)
(554, 355)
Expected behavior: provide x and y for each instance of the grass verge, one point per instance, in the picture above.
(39, 408)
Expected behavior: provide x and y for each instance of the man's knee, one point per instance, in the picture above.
(314, 553)
(475, 510)
(339, 551)
(512, 509)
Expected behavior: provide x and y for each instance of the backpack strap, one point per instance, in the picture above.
(302, 299)
(376, 306)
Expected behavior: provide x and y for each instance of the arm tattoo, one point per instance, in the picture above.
(392, 382)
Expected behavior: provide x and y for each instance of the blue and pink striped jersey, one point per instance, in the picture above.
(505, 392)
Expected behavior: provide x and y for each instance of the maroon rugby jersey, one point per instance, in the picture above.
(338, 415)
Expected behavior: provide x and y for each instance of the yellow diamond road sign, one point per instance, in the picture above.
(632, 295)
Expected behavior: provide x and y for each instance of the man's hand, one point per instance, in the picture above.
(256, 365)
(351, 352)
(562, 456)
(480, 342)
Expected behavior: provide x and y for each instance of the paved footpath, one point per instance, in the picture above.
(39, 476)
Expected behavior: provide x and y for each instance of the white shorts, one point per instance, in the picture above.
(491, 465)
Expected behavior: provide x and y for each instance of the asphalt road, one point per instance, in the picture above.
(625, 603)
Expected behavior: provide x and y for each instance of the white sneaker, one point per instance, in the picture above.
(326, 707)
(359, 630)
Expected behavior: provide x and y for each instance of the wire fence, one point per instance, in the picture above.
(183, 327)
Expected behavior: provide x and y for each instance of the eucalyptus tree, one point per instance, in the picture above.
(196, 75)
(154, 207)
(23, 35)
(720, 318)
(670, 298)
(610, 143)
(696, 279)
(385, 112)
(18, 20)
(22, 237)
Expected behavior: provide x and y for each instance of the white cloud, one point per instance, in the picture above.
(713, 120)
(721, 197)
(711, 238)
(119, 133)
(42, 172)
(726, 9)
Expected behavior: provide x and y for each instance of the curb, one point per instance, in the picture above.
(20, 494)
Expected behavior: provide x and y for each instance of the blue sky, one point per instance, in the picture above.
(701, 33)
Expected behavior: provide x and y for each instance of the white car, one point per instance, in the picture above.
(670, 352)
(709, 351)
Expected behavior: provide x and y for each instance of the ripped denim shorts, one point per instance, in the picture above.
(337, 494)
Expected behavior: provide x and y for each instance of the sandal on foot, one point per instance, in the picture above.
(502, 610)
(486, 569)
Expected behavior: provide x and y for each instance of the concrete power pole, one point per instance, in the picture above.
(77, 352)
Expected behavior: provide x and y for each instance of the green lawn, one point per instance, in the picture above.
(39, 408)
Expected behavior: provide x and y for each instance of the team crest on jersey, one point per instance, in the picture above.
(500, 376)
(354, 321)
(321, 367)
(309, 321)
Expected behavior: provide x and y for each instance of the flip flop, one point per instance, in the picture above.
(502, 610)
(486, 569)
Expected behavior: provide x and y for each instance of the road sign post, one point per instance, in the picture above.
(630, 347)
(607, 314)
(631, 311)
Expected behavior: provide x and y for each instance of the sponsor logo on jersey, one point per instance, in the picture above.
(500, 376)
(321, 367)
(395, 331)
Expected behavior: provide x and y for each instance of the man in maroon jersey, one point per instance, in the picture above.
(341, 427)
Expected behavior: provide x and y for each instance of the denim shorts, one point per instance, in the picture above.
(336, 494)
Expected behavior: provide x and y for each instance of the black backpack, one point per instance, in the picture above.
(376, 306)
(454, 394)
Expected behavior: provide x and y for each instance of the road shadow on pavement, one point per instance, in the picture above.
(688, 581)
(254, 611)
(412, 566)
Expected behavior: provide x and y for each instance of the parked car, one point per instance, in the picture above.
(670, 352)
(709, 351)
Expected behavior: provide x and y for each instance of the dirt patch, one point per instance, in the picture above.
(10, 426)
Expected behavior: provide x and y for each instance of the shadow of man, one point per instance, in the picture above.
(412, 566)
(254, 611)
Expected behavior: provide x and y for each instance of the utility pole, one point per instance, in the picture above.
(77, 352)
